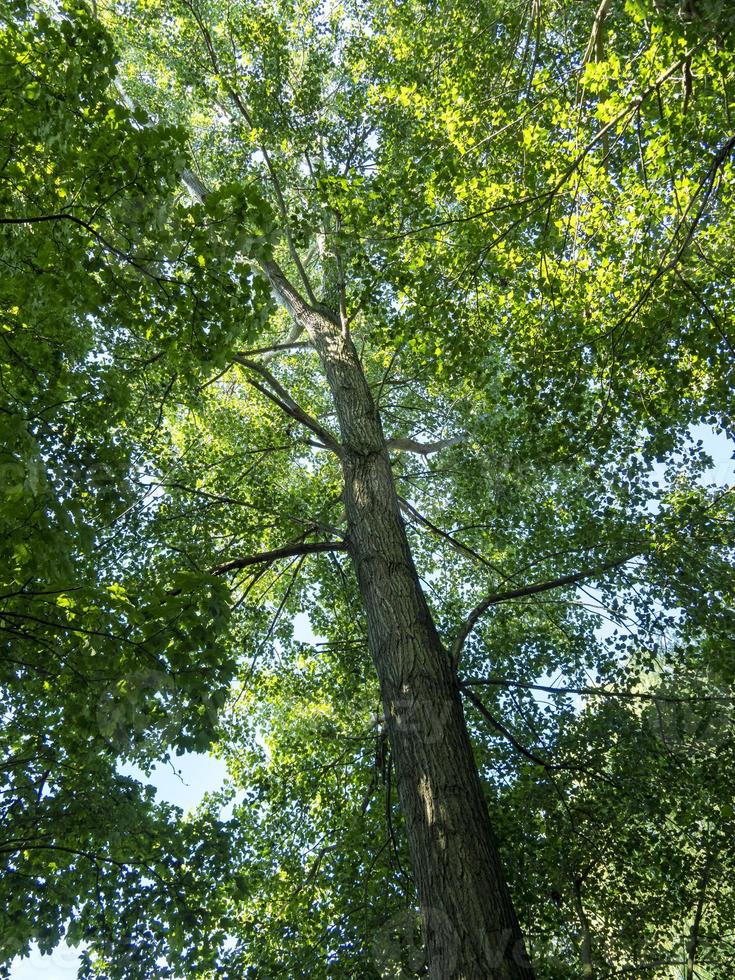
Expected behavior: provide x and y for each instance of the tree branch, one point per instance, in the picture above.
(276, 348)
(549, 194)
(402, 445)
(501, 729)
(595, 47)
(64, 216)
(310, 524)
(584, 691)
(284, 291)
(523, 591)
(239, 103)
(586, 951)
(288, 551)
(693, 941)
(197, 190)
(291, 341)
(623, 114)
(458, 546)
(279, 396)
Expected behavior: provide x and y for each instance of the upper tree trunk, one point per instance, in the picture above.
(471, 929)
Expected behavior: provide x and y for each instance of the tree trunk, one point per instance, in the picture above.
(470, 926)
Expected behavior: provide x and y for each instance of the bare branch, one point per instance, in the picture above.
(283, 290)
(423, 448)
(310, 877)
(502, 730)
(276, 348)
(584, 691)
(288, 551)
(278, 394)
(458, 546)
(291, 341)
(523, 591)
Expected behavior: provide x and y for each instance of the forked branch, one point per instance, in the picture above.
(527, 590)
(275, 391)
(502, 730)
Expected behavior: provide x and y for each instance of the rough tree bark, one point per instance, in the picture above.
(470, 926)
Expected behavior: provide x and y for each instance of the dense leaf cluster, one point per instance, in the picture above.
(524, 214)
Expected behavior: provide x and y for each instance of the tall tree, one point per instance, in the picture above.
(402, 313)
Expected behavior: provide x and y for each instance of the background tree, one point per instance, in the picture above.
(498, 241)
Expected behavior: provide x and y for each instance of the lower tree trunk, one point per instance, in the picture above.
(470, 926)
(471, 931)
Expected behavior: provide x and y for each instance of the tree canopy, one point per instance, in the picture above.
(519, 216)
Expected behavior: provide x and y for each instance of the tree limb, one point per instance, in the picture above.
(288, 551)
(458, 546)
(549, 194)
(278, 394)
(502, 730)
(291, 341)
(239, 103)
(284, 291)
(523, 591)
(595, 47)
(584, 691)
(197, 190)
(693, 941)
(402, 445)
(586, 951)
(276, 348)
(64, 216)
(287, 293)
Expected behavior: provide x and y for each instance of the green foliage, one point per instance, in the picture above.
(97, 644)
(527, 220)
